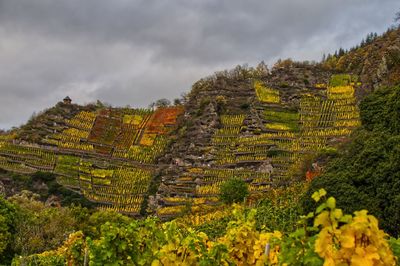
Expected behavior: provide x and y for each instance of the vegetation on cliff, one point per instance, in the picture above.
(366, 171)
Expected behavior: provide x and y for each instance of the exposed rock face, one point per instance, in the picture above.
(377, 63)
(53, 201)
(266, 167)
(194, 155)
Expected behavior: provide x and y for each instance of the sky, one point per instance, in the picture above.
(128, 52)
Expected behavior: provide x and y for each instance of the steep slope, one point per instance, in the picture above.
(255, 124)
(51, 120)
(256, 127)
(107, 155)
(376, 63)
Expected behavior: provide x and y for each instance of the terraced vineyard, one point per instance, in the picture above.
(268, 155)
(262, 135)
(108, 156)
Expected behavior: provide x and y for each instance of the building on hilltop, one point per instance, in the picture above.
(67, 100)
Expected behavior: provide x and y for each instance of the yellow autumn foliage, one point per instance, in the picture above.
(265, 94)
(358, 242)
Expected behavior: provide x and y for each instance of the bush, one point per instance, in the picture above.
(245, 106)
(44, 176)
(380, 111)
(214, 229)
(334, 238)
(7, 230)
(281, 208)
(38, 227)
(233, 191)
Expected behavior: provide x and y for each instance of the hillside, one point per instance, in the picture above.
(253, 123)
(377, 63)
(259, 128)
(51, 120)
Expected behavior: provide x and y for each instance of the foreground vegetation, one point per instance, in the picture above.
(326, 236)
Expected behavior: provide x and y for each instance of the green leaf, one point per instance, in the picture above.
(321, 208)
(346, 218)
(317, 195)
(331, 203)
(310, 215)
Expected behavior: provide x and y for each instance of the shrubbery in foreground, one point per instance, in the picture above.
(333, 239)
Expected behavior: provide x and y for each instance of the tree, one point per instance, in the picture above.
(177, 101)
(37, 226)
(221, 103)
(397, 18)
(92, 224)
(234, 190)
(160, 103)
(341, 52)
(262, 69)
(7, 230)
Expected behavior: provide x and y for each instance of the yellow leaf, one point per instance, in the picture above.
(331, 203)
(329, 262)
(322, 219)
(347, 241)
(155, 263)
(357, 260)
(337, 213)
(318, 194)
(323, 244)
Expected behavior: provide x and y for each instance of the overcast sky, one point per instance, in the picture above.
(127, 52)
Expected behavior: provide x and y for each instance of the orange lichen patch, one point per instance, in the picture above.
(310, 175)
(162, 117)
(148, 139)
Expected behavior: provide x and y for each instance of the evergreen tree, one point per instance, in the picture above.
(341, 52)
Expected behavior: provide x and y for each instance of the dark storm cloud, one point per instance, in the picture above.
(134, 52)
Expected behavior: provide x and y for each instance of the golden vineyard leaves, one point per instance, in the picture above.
(335, 239)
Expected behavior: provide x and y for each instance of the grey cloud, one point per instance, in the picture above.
(134, 52)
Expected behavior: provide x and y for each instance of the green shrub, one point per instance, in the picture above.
(245, 106)
(233, 190)
(44, 176)
(7, 230)
(380, 111)
(214, 229)
(281, 208)
(340, 80)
